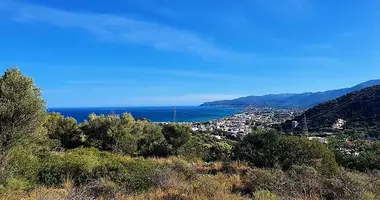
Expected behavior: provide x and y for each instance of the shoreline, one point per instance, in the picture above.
(185, 114)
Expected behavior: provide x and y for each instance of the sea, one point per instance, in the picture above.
(154, 114)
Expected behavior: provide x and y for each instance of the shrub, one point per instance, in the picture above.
(78, 164)
(368, 196)
(265, 195)
(14, 184)
(259, 179)
(176, 136)
(65, 130)
(90, 165)
(305, 181)
(274, 149)
(345, 185)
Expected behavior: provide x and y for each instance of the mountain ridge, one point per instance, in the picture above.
(359, 110)
(292, 100)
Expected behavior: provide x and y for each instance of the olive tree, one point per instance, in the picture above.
(22, 113)
(22, 109)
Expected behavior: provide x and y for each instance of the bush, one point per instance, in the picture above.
(305, 181)
(368, 157)
(274, 149)
(78, 164)
(84, 166)
(14, 184)
(176, 136)
(65, 130)
(265, 195)
(345, 185)
(259, 179)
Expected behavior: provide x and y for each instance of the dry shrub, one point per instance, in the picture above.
(345, 185)
(259, 179)
(236, 167)
(212, 187)
(203, 187)
(12, 195)
(168, 179)
(209, 168)
(48, 194)
(305, 182)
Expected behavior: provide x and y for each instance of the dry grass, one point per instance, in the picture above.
(216, 181)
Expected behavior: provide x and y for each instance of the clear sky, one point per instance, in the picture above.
(185, 52)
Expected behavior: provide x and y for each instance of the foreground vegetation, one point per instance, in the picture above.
(49, 156)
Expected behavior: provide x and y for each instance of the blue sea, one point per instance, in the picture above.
(155, 114)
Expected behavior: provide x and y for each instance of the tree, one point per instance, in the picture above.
(271, 149)
(65, 130)
(111, 133)
(22, 112)
(176, 136)
(151, 141)
(22, 109)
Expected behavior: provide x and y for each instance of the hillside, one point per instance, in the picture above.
(360, 110)
(303, 100)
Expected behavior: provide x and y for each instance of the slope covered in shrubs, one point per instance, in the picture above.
(49, 156)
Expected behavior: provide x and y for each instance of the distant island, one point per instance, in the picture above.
(287, 100)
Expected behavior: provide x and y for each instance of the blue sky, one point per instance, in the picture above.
(165, 52)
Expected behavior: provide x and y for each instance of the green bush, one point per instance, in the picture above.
(133, 175)
(265, 195)
(65, 130)
(368, 157)
(275, 149)
(78, 164)
(88, 165)
(176, 136)
(14, 184)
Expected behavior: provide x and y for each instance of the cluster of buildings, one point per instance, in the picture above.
(243, 123)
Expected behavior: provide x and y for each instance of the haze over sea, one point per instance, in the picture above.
(155, 114)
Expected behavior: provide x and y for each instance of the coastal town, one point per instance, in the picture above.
(252, 118)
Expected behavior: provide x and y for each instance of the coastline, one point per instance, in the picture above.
(158, 114)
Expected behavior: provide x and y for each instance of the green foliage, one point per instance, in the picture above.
(151, 141)
(359, 109)
(204, 146)
(22, 113)
(78, 164)
(176, 136)
(274, 149)
(17, 184)
(361, 155)
(265, 195)
(21, 108)
(368, 196)
(87, 165)
(299, 168)
(219, 151)
(111, 133)
(101, 130)
(65, 130)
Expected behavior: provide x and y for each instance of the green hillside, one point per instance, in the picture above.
(360, 110)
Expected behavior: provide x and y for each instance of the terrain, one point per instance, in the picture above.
(360, 110)
(303, 100)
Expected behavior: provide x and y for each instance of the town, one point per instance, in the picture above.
(252, 118)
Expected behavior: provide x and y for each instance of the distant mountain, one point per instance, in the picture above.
(360, 110)
(303, 100)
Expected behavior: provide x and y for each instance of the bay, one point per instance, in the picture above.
(155, 114)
